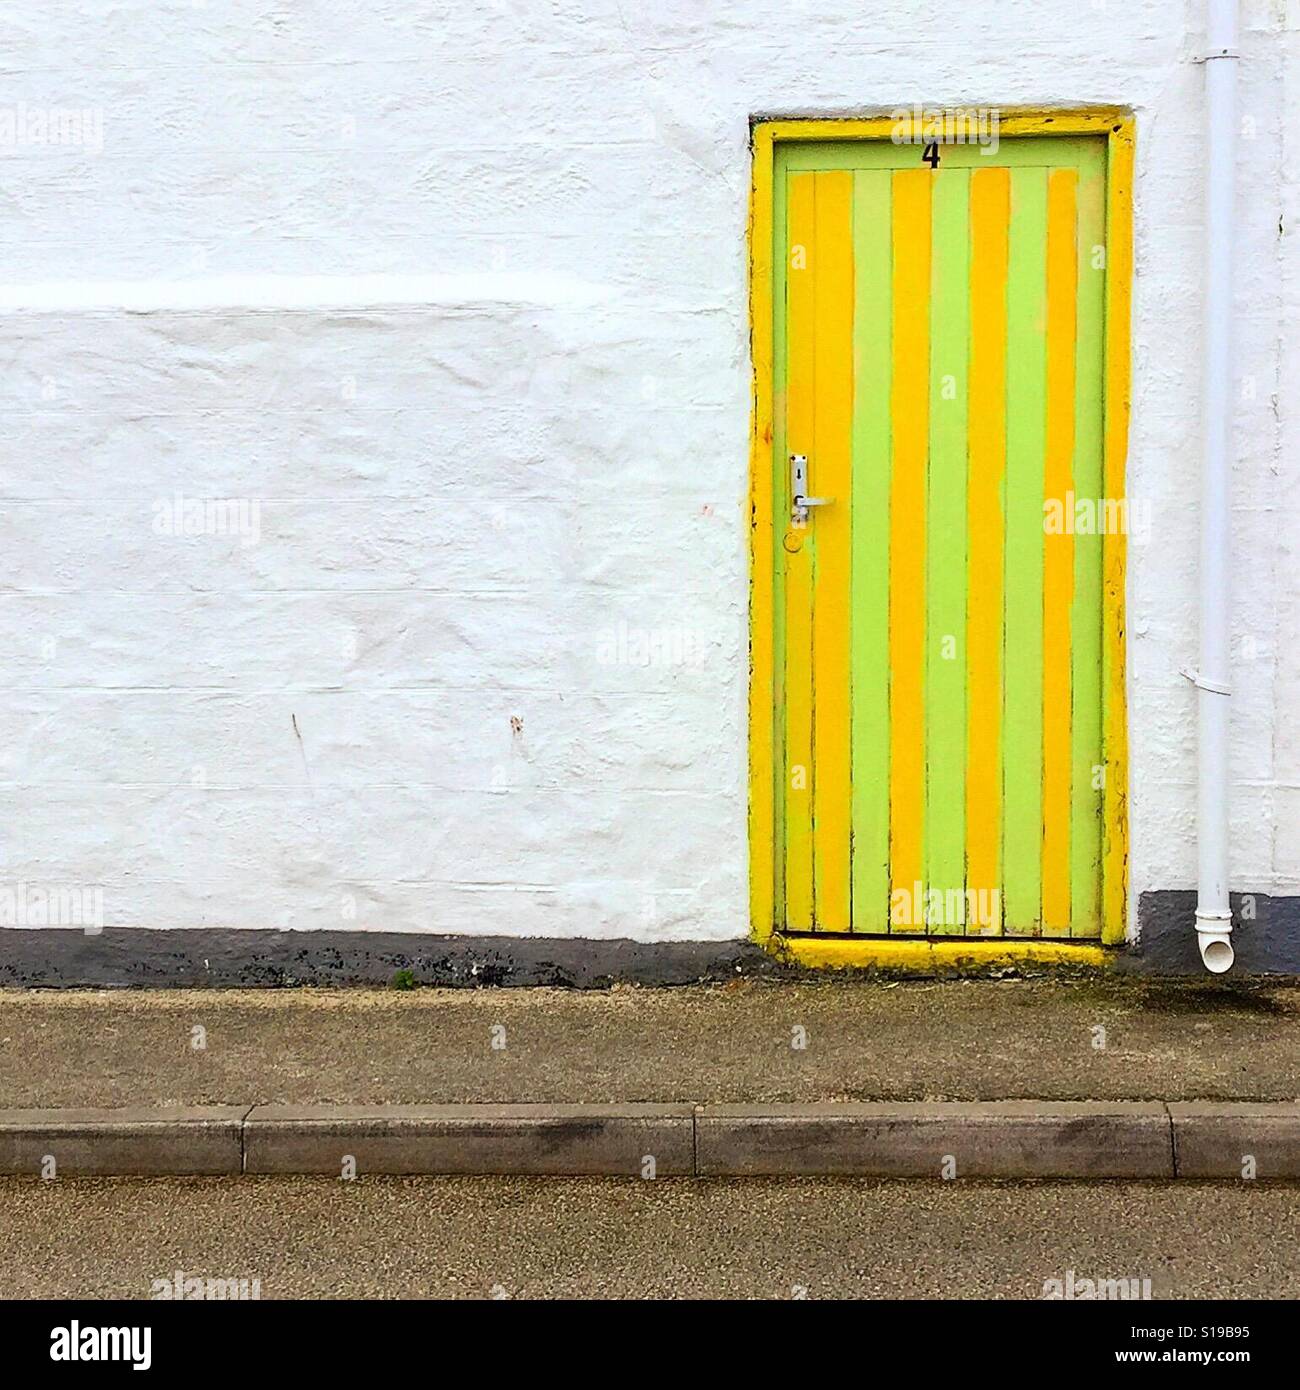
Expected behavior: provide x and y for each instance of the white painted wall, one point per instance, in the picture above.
(456, 293)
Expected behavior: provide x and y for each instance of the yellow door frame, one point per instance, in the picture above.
(1119, 127)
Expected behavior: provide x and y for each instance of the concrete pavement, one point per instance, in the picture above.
(751, 1041)
(1015, 1079)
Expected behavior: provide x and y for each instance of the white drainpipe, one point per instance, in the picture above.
(1213, 915)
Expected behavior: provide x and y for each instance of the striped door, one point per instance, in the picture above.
(939, 362)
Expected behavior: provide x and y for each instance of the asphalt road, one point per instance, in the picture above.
(590, 1238)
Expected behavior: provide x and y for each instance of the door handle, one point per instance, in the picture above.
(800, 502)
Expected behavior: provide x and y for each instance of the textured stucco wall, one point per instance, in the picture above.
(456, 294)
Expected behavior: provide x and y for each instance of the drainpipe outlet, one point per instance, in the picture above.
(1214, 936)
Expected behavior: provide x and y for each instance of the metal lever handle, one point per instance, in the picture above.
(799, 501)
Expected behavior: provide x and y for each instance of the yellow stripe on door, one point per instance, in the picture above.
(990, 211)
(909, 410)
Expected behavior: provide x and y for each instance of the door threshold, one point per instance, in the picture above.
(928, 955)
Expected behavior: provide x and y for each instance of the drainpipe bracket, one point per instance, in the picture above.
(1217, 917)
(1201, 683)
(1220, 53)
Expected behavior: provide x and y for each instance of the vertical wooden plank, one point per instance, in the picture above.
(800, 397)
(870, 592)
(990, 209)
(1023, 661)
(765, 696)
(945, 694)
(1086, 618)
(1119, 295)
(1058, 547)
(909, 409)
(830, 475)
(779, 521)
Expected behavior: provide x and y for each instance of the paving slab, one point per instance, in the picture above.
(645, 1141)
(135, 1141)
(1006, 1139)
(1242, 1140)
